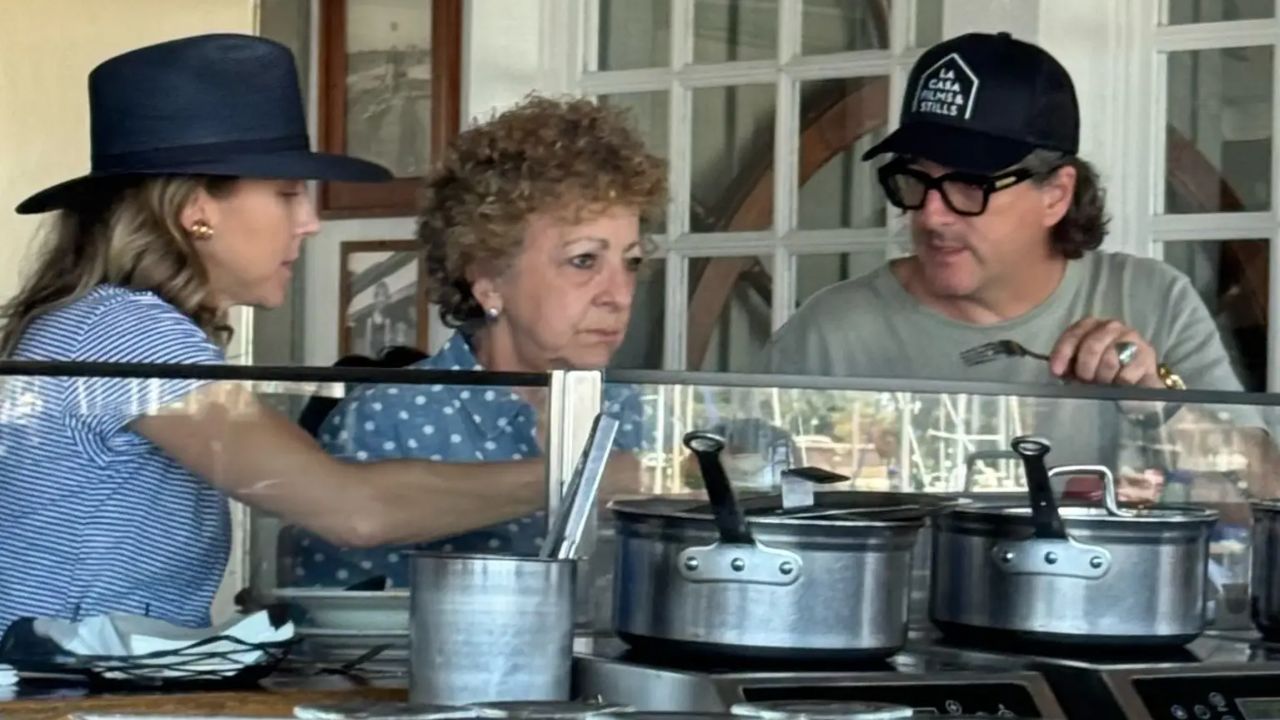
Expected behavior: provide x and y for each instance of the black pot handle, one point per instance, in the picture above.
(730, 520)
(1044, 508)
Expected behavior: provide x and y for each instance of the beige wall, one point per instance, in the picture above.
(47, 48)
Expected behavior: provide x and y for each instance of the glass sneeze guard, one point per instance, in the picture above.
(882, 434)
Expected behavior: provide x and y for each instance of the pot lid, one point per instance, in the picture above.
(837, 507)
(548, 710)
(821, 710)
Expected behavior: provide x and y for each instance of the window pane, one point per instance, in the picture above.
(832, 26)
(815, 272)
(729, 319)
(732, 153)
(731, 30)
(634, 34)
(648, 113)
(840, 120)
(642, 348)
(1231, 277)
(1182, 12)
(1219, 131)
(389, 83)
(928, 22)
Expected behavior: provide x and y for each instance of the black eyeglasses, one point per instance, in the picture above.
(965, 193)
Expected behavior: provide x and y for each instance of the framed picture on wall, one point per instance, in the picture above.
(380, 300)
(390, 92)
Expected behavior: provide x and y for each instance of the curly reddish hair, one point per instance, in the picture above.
(572, 157)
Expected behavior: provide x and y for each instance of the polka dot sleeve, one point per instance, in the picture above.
(385, 422)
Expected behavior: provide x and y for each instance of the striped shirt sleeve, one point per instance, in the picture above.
(132, 328)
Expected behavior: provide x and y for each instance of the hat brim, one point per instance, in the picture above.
(293, 165)
(953, 148)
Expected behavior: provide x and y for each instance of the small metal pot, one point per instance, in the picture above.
(488, 628)
(775, 586)
(1071, 575)
(1264, 576)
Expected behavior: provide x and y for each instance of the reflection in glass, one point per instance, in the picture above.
(815, 272)
(389, 83)
(1218, 156)
(732, 30)
(1231, 277)
(642, 347)
(634, 34)
(839, 120)
(648, 113)
(832, 26)
(729, 312)
(1182, 12)
(902, 439)
(732, 156)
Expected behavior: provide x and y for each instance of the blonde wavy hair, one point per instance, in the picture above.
(128, 234)
(569, 156)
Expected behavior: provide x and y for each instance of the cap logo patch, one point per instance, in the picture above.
(948, 89)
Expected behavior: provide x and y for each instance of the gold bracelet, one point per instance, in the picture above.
(1170, 378)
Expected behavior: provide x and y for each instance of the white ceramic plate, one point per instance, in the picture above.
(376, 611)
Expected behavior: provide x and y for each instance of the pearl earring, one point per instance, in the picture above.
(492, 312)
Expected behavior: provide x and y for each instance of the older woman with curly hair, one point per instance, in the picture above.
(531, 228)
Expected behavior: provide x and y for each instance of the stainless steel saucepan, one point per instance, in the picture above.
(719, 580)
(1070, 574)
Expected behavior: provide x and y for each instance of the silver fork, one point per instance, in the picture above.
(988, 352)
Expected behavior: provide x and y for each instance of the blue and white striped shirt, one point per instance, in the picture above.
(94, 518)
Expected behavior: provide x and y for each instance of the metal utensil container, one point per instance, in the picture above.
(1103, 575)
(490, 628)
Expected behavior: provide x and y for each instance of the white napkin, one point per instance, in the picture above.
(8, 676)
(128, 637)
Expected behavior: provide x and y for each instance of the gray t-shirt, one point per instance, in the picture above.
(871, 327)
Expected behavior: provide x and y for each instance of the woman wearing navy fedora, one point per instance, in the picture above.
(113, 495)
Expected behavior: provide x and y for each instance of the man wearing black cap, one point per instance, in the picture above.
(1005, 222)
(1005, 225)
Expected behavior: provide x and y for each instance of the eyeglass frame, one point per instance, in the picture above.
(989, 184)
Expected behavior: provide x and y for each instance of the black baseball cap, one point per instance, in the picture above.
(982, 103)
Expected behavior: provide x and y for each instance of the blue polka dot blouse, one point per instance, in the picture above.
(447, 423)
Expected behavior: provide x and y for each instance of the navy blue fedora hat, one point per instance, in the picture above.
(220, 104)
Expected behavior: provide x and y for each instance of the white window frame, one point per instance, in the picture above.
(1148, 105)
(783, 242)
(1132, 155)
